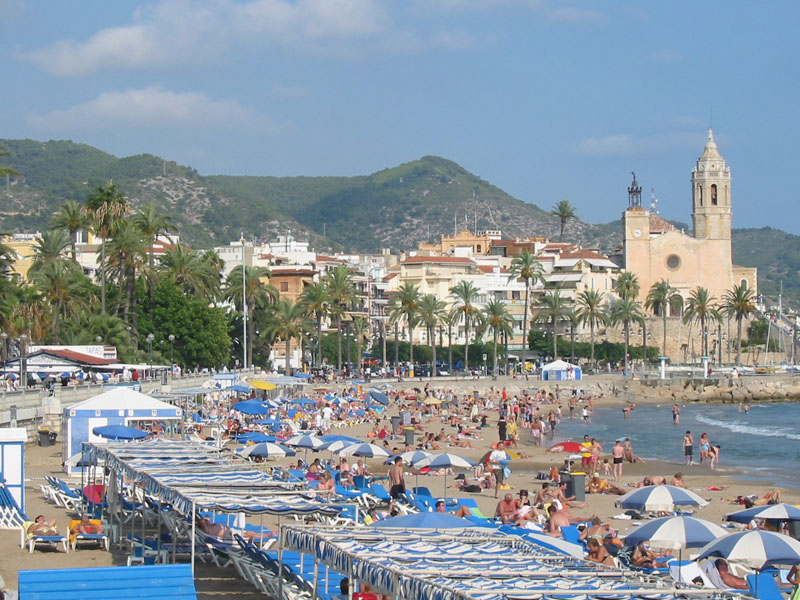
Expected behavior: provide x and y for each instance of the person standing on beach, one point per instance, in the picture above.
(397, 481)
(618, 453)
(676, 414)
(502, 429)
(496, 460)
(688, 447)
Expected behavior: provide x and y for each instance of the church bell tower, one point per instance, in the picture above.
(711, 194)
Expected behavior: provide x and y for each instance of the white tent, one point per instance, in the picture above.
(118, 406)
(560, 370)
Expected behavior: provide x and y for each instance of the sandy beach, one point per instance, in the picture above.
(219, 583)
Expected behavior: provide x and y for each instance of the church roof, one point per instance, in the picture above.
(659, 225)
(710, 151)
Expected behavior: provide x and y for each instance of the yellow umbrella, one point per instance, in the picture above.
(262, 385)
(432, 401)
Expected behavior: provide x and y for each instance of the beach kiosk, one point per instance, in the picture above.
(118, 406)
(12, 462)
(560, 370)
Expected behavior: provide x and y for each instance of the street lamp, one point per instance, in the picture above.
(23, 364)
(171, 348)
(150, 338)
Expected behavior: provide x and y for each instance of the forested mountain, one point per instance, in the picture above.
(395, 208)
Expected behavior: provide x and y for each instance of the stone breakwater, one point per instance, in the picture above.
(743, 389)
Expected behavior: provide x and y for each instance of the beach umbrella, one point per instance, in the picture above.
(378, 397)
(256, 437)
(777, 512)
(251, 407)
(262, 385)
(659, 497)
(363, 450)
(241, 389)
(119, 432)
(572, 447)
(332, 437)
(445, 460)
(426, 520)
(266, 449)
(305, 441)
(358, 382)
(303, 401)
(336, 445)
(756, 549)
(509, 455)
(675, 533)
(410, 458)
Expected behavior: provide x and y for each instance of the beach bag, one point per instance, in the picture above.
(542, 476)
(471, 488)
(506, 472)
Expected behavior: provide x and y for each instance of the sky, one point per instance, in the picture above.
(547, 99)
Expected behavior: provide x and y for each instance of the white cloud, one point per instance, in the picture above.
(177, 32)
(153, 108)
(626, 144)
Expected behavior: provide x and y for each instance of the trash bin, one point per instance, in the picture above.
(409, 433)
(45, 439)
(395, 425)
(578, 487)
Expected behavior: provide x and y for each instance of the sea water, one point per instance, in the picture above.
(763, 443)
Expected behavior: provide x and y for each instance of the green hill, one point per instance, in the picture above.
(394, 208)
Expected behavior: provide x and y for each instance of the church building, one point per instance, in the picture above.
(654, 249)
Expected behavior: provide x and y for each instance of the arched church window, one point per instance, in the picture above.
(714, 194)
(700, 195)
(743, 283)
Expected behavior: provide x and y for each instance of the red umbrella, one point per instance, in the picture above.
(571, 447)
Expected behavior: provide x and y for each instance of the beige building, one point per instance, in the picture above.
(654, 249)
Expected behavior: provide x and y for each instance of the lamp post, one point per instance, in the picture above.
(171, 348)
(23, 363)
(150, 338)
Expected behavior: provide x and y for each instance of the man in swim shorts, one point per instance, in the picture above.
(688, 446)
(618, 453)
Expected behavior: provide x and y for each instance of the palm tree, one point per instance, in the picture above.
(625, 311)
(627, 285)
(564, 211)
(103, 206)
(341, 292)
(739, 304)
(152, 224)
(451, 319)
(590, 312)
(57, 281)
(257, 293)
(431, 310)
(288, 321)
(552, 306)
(317, 302)
(466, 295)
(525, 267)
(49, 248)
(194, 273)
(662, 298)
(72, 218)
(700, 307)
(125, 262)
(497, 318)
(405, 305)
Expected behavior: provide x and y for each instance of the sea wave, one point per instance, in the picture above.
(739, 427)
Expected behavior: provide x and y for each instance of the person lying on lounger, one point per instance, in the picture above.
(87, 527)
(42, 527)
(222, 531)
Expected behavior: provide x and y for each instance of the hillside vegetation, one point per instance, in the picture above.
(394, 208)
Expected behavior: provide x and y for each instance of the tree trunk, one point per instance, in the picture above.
(738, 342)
(359, 358)
(664, 317)
(625, 324)
(555, 340)
(524, 327)
(591, 336)
(103, 276)
(644, 342)
(410, 346)
(319, 340)
(339, 344)
(250, 330)
(450, 347)
(466, 342)
(287, 368)
(433, 351)
(494, 353)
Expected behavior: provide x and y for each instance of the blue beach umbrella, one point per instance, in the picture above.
(242, 389)
(378, 397)
(303, 401)
(777, 512)
(675, 533)
(363, 450)
(119, 432)
(426, 520)
(267, 449)
(756, 549)
(251, 407)
(303, 376)
(659, 497)
(256, 437)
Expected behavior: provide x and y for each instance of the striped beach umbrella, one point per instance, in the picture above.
(445, 460)
(363, 450)
(659, 497)
(309, 442)
(778, 512)
(265, 450)
(675, 533)
(756, 549)
(411, 458)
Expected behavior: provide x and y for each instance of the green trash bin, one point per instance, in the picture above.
(45, 439)
(409, 433)
(579, 486)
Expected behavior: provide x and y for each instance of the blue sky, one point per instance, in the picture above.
(546, 99)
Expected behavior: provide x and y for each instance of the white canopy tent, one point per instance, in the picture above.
(560, 370)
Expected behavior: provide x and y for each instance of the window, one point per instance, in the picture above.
(515, 295)
(479, 249)
(714, 194)
(700, 195)
(744, 284)
(284, 286)
(673, 262)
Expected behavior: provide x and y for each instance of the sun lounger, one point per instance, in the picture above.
(30, 540)
(763, 586)
(93, 539)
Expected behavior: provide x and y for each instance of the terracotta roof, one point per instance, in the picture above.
(439, 259)
(659, 225)
(80, 357)
(583, 254)
(490, 269)
(390, 276)
(323, 258)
